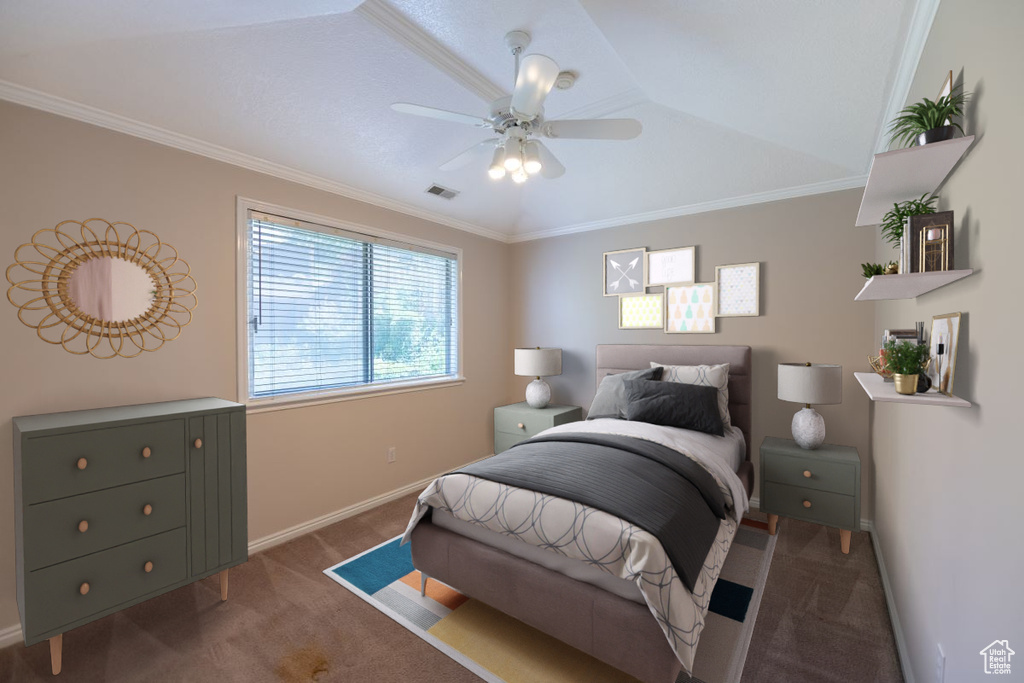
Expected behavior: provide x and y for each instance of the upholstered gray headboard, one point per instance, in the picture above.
(616, 358)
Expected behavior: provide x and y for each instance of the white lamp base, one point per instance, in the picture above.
(538, 393)
(808, 429)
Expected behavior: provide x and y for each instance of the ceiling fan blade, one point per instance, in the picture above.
(537, 75)
(470, 155)
(593, 129)
(442, 114)
(551, 167)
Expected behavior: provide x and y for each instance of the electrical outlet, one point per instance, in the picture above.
(391, 455)
(940, 665)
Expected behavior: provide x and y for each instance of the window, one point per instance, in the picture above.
(330, 310)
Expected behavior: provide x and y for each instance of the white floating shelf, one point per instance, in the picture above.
(908, 285)
(878, 389)
(904, 174)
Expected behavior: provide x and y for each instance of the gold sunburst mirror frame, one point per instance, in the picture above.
(101, 288)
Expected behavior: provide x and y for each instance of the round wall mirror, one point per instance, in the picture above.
(111, 289)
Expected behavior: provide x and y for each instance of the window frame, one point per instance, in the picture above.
(318, 397)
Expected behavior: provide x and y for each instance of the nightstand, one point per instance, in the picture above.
(820, 486)
(519, 422)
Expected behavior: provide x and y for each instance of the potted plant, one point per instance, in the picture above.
(905, 360)
(927, 121)
(895, 220)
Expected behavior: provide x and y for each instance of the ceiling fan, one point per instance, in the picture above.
(519, 119)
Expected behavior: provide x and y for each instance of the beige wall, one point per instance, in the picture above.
(810, 271)
(303, 463)
(948, 480)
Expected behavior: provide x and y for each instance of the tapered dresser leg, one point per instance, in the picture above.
(224, 585)
(56, 647)
(423, 584)
(844, 540)
(773, 521)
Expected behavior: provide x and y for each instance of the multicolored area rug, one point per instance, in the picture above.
(501, 649)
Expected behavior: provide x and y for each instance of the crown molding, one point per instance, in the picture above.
(35, 99)
(917, 36)
(702, 207)
(396, 25)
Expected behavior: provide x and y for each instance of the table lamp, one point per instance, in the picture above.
(538, 363)
(808, 383)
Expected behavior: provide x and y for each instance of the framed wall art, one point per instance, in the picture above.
(641, 311)
(670, 266)
(944, 343)
(625, 271)
(690, 308)
(739, 290)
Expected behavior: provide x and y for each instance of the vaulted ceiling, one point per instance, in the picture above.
(738, 100)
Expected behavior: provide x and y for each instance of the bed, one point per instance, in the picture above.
(640, 627)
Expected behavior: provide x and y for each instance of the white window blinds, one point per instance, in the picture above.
(330, 309)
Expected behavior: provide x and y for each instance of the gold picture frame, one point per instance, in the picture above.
(942, 366)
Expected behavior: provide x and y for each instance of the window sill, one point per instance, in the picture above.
(266, 405)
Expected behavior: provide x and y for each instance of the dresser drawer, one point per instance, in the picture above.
(825, 475)
(113, 516)
(53, 595)
(51, 465)
(828, 508)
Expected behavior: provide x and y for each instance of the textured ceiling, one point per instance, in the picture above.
(736, 99)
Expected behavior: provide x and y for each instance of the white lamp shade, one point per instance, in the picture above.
(817, 384)
(538, 362)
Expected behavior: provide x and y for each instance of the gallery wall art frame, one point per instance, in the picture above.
(920, 250)
(642, 311)
(670, 266)
(690, 308)
(624, 271)
(738, 290)
(942, 369)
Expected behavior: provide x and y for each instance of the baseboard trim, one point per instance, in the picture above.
(890, 602)
(11, 636)
(865, 524)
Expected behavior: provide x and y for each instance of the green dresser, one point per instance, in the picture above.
(519, 421)
(118, 505)
(820, 486)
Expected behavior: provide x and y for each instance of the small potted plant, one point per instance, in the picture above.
(905, 360)
(894, 222)
(927, 121)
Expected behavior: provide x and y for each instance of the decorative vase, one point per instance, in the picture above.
(905, 384)
(936, 135)
(924, 383)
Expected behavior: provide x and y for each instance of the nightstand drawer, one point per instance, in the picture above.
(69, 464)
(503, 442)
(828, 508)
(509, 422)
(825, 475)
(113, 577)
(53, 530)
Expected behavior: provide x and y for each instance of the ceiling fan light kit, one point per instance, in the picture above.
(518, 117)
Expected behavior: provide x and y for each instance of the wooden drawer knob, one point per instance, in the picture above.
(807, 473)
(82, 463)
(521, 425)
(83, 526)
(198, 443)
(147, 509)
(146, 452)
(807, 503)
(148, 567)
(84, 588)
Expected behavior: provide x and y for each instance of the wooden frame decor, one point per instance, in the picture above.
(931, 242)
(670, 266)
(624, 271)
(739, 290)
(690, 308)
(641, 311)
(105, 289)
(944, 343)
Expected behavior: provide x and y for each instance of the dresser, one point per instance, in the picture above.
(517, 422)
(118, 505)
(820, 486)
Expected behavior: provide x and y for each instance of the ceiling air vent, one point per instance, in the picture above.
(442, 192)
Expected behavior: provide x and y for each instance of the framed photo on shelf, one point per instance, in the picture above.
(670, 266)
(690, 308)
(931, 242)
(944, 344)
(641, 311)
(739, 290)
(625, 271)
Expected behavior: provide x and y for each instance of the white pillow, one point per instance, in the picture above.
(702, 375)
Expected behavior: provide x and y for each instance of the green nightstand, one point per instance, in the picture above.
(820, 486)
(519, 422)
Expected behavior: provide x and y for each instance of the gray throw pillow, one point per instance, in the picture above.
(687, 406)
(611, 399)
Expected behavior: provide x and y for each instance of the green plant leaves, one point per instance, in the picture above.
(925, 115)
(892, 222)
(905, 357)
